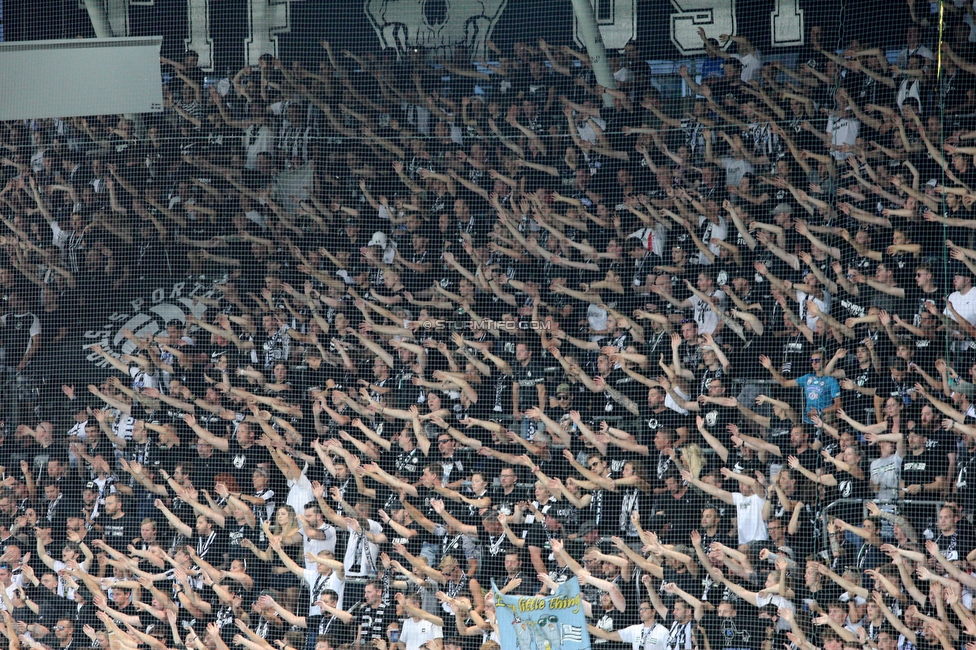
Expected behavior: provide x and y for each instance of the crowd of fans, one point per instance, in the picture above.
(472, 326)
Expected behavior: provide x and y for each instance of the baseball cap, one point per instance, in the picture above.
(962, 387)
(958, 268)
(562, 388)
(378, 239)
(782, 208)
(586, 527)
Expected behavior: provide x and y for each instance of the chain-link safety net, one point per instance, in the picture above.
(393, 317)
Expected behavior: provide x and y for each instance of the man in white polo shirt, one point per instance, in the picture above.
(646, 635)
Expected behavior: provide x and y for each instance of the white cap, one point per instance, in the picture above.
(378, 239)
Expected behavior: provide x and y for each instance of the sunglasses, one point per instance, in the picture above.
(815, 359)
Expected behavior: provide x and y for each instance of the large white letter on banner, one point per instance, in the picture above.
(786, 24)
(617, 20)
(198, 31)
(265, 20)
(716, 17)
(197, 24)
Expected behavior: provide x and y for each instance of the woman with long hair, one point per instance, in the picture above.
(692, 459)
(285, 528)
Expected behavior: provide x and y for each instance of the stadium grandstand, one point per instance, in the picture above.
(382, 324)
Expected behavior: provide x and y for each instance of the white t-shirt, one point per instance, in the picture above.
(141, 379)
(362, 555)
(705, 316)
(63, 589)
(735, 169)
(780, 602)
(886, 473)
(586, 130)
(16, 582)
(645, 638)
(317, 584)
(316, 546)
(751, 65)
(714, 230)
(749, 514)
(300, 492)
(842, 130)
(965, 305)
(416, 633)
(597, 319)
(823, 304)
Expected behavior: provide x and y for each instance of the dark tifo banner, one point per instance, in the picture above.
(230, 33)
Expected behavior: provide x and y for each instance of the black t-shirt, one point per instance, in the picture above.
(243, 461)
(717, 418)
(374, 621)
(205, 469)
(900, 390)
(422, 502)
(505, 503)
(493, 550)
(810, 459)
(827, 592)
(236, 534)
(610, 621)
(861, 405)
(334, 627)
(603, 509)
(966, 478)
(939, 441)
(213, 547)
(744, 355)
(737, 633)
(455, 468)
(657, 465)
(956, 546)
(922, 469)
(119, 532)
(850, 487)
(745, 467)
(633, 500)
(846, 305)
(527, 377)
(684, 579)
(676, 512)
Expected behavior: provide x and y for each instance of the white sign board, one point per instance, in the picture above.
(74, 77)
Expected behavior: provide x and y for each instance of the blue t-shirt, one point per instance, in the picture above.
(819, 392)
(712, 68)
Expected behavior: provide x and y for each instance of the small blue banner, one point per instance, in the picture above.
(554, 622)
